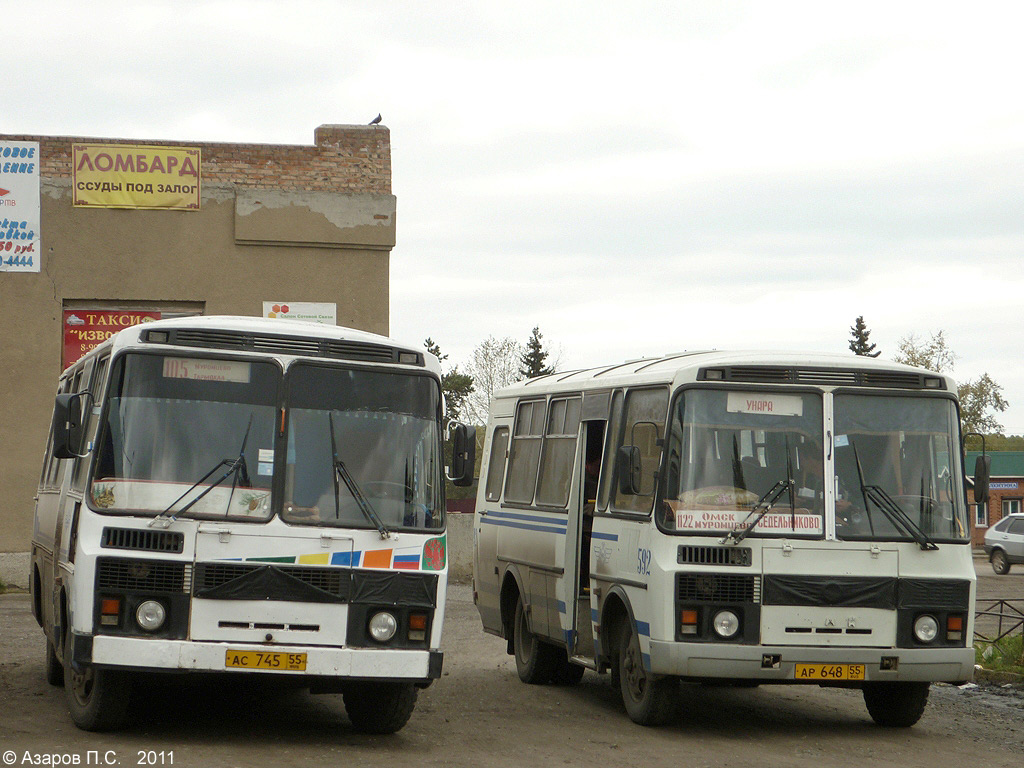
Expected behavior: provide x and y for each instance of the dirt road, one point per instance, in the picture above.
(480, 715)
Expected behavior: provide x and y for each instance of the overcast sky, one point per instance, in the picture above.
(634, 177)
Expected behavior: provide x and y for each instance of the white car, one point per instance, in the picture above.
(1004, 543)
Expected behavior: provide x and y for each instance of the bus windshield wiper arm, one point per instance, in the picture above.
(758, 511)
(235, 467)
(340, 470)
(899, 519)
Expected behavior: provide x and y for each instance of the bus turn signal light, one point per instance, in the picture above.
(110, 611)
(688, 623)
(417, 626)
(954, 628)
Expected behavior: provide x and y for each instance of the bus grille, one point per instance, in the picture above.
(691, 555)
(114, 573)
(334, 581)
(143, 539)
(717, 588)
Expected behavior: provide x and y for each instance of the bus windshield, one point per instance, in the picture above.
(897, 463)
(363, 449)
(188, 436)
(729, 452)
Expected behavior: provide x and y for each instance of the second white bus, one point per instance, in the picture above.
(740, 518)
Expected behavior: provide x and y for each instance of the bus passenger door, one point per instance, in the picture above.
(583, 501)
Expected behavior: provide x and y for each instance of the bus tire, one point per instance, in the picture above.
(380, 707)
(97, 698)
(54, 669)
(649, 699)
(535, 659)
(896, 705)
(566, 673)
(1000, 562)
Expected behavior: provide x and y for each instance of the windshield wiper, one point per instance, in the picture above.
(767, 501)
(340, 470)
(235, 467)
(759, 510)
(892, 511)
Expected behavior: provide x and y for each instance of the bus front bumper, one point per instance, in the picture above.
(179, 655)
(778, 664)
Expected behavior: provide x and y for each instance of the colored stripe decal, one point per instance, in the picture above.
(561, 605)
(345, 558)
(605, 536)
(643, 628)
(528, 518)
(507, 524)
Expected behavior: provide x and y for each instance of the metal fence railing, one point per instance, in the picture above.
(998, 620)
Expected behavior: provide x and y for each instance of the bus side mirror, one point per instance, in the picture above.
(982, 470)
(628, 470)
(69, 412)
(463, 454)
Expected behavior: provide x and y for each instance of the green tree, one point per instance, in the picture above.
(532, 360)
(859, 342)
(455, 385)
(980, 399)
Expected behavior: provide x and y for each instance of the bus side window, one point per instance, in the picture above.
(612, 436)
(94, 386)
(556, 463)
(644, 424)
(496, 464)
(524, 458)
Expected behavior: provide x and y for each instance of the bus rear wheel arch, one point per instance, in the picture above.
(536, 660)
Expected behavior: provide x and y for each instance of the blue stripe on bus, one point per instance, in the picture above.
(643, 628)
(594, 615)
(561, 605)
(521, 526)
(527, 518)
(647, 661)
(605, 536)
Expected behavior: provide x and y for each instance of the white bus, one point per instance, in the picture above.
(251, 497)
(733, 518)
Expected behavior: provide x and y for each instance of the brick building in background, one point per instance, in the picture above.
(267, 223)
(1006, 495)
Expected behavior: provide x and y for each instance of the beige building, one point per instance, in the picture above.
(270, 223)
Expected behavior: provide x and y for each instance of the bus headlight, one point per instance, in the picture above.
(150, 615)
(926, 628)
(726, 624)
(383, 627)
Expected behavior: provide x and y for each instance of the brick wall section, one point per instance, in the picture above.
(344, 158)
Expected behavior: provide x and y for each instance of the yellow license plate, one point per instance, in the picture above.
(277, 660)
(829, 672)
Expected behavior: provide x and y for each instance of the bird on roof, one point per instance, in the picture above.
(375, 120)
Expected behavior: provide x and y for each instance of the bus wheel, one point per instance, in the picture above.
(97, 698)
(649, 699)
(54, 669)
(535, 659)
(380, 707)
(565, 672)
(896, 705)
(1000, 563)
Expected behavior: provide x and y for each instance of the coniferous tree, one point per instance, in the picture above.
(455, 385)
(859, 342)
(532, 361)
